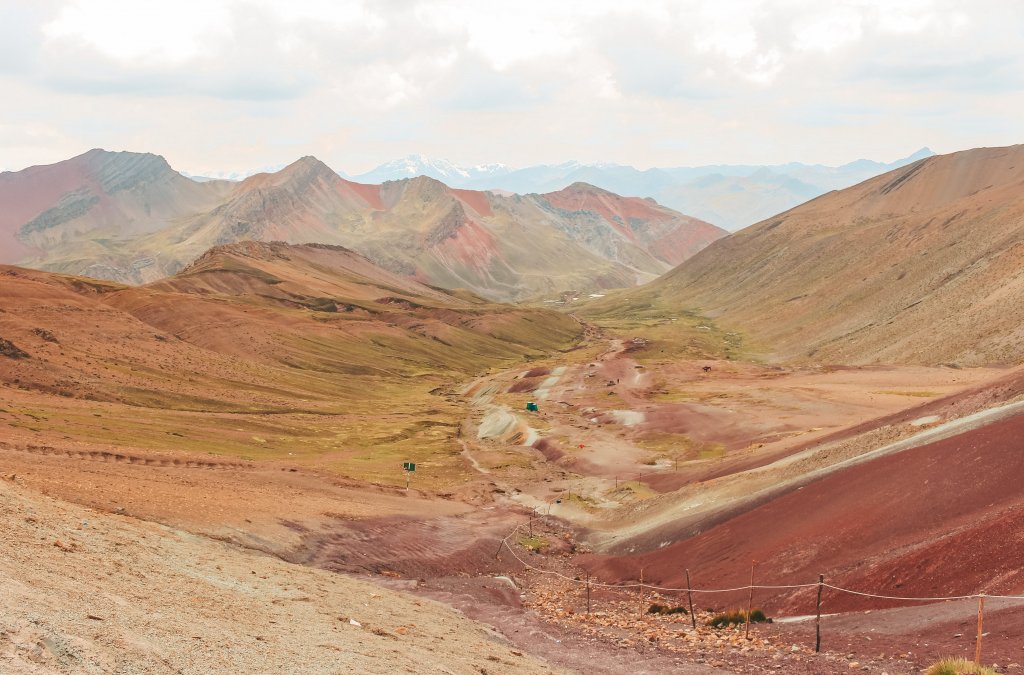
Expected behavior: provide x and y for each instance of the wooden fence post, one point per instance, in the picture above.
(689, 596)
(498, 552)
(977, 645)
(817, 620)
(588, 593)
(641, 596)
(750, 599)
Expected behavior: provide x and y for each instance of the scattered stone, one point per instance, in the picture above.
(11, 351)
(45, 334)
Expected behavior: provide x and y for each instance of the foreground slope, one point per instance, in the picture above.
(131, 218)
(940, 518)
(90, 592)
(920, 265)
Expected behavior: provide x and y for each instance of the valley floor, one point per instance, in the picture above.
(124, 558)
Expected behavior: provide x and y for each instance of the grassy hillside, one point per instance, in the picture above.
(260, 351)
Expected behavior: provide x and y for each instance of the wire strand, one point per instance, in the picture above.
(748, 586)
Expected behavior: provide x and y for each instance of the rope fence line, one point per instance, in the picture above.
(751, 587)
(504, 542)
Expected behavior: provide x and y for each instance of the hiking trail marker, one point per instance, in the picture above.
(409, 468)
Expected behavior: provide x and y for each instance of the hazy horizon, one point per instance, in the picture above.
(341, 170)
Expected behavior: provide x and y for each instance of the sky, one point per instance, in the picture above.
(233, 85)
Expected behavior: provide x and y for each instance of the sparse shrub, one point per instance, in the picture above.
(736, 617)
(45, 334)
(758, 616)
(958, 666)
(535, 543)
(665, 610)
(10, 350)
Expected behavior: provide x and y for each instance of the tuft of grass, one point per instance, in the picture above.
(535, 543)
(737, 616)
(665, 610)
(958, 666)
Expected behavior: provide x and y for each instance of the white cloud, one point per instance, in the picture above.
(154, 32)
(240, 83)
(833, 28)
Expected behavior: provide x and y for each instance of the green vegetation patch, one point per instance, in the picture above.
(536, 543)
(735, 617)
(660, 332)
(958, 666)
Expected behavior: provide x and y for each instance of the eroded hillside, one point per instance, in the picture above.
(129, 217)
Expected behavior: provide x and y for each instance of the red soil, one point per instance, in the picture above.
(473, 246)
(475, 200)
(941, 519)
(524, 385)
(616, 210)
(368, 193)
(672, 244)
(946, 407)
(27, 193)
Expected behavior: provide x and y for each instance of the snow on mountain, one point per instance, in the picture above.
(438, 169)
(205, 176)
(729, 195)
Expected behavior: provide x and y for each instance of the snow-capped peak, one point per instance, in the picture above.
(201, 176)
(440, 169)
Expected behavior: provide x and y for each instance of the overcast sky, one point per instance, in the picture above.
(230, 85)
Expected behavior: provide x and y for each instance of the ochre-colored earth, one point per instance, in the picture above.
(192, 468)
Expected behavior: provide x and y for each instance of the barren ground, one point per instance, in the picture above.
(665, 446)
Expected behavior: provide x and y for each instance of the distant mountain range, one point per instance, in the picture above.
(730, 196)
(129, 217)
